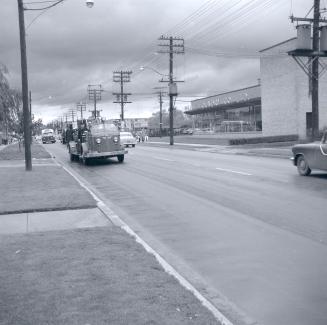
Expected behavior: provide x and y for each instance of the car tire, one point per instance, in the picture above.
(72, 157)
(133, 145)
(120, 158)
(302, 166)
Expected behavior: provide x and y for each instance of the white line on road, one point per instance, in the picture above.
(233, 171)
(165, 159)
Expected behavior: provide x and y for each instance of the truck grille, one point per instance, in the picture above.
(107, 144)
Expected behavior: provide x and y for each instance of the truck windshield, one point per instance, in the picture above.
(104, 129)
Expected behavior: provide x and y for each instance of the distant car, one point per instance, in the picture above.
(310, 156)
(187, 131)
(127, 139)
(48, 136)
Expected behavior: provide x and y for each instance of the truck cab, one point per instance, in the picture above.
(98, 140)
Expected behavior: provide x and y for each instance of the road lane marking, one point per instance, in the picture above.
(233, 171)
(165, 159)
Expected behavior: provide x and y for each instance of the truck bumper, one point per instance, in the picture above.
(105, 154)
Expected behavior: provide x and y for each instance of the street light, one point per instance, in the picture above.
(25, 94)
(89, 3)
(150, 68)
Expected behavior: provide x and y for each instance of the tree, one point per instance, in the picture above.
(37, 126)
(10, 105)
(154, 120)
(181, 120)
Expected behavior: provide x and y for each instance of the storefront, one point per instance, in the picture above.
(235, 111)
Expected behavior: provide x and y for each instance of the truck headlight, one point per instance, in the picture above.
(98, 140)
(115, 139)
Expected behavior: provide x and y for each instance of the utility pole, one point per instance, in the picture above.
(81, 107)
(311, 68)
(31, 115)
(175, 46)
(315, 72)
(160, 94)
(160, 116)
(26, 113)
(121, 97)
(30, 104)
(72, 113)
(94, 92)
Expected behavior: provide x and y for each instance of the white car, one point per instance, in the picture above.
(127, 139)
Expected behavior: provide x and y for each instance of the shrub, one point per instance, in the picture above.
(270, 139)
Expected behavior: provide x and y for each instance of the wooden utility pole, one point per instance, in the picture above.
(94, 92)
(160, 95)
(160, 114)
(122, 77)
(81, 107)
(171, 95)
(315, 72)
(26, 111)
(176, 46)
(312, 67)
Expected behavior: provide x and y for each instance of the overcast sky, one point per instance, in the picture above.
(71, 46)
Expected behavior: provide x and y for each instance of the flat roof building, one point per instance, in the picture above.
(285, 93)
(279, 105)
(233, 111)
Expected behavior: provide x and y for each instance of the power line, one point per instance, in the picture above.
(38, 2)
(45, 8)
(34, 19)
(224, 23)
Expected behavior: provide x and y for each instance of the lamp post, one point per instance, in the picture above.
(25, 93)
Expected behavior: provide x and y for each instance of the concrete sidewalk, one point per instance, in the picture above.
(64, 262)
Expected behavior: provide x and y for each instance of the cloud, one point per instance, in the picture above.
(71, 46)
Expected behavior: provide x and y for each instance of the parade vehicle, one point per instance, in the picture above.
(310, 156)
(48, 136)
(98, 140)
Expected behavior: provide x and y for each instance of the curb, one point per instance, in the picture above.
(268, 155)
(84, 207)
(165, 265)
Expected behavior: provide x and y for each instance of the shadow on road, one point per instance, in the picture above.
(102, 162)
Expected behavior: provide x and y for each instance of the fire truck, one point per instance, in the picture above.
(95, 140)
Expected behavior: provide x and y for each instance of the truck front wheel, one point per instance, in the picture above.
(120, 158)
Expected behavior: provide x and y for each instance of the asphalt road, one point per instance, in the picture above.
(248, 232)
